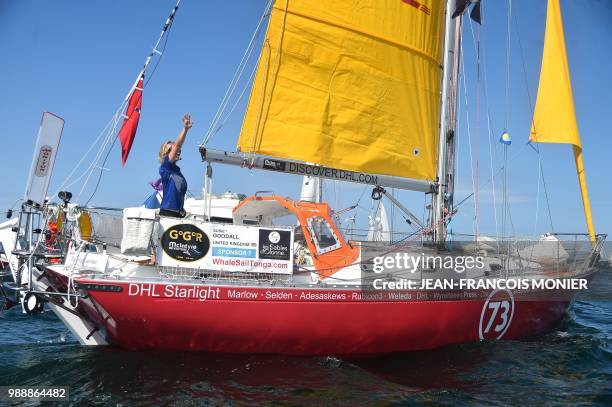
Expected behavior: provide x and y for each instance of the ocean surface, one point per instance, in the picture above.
(571, 365)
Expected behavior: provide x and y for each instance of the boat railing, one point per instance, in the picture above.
(559, 254)
(220, 276)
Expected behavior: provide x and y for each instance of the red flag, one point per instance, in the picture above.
(130, 123)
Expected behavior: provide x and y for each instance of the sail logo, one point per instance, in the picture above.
(418, 5)
(185, 242)
(274, 165)
(44, 161)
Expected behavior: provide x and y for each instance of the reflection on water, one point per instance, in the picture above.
(570, 365)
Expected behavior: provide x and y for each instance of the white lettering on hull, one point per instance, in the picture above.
(242, 294)
(173, 291)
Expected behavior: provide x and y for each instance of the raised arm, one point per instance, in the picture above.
(175, 151)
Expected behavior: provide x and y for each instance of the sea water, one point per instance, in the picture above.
(569, 365)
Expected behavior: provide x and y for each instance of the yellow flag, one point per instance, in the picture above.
(350, 84)
(554, 119)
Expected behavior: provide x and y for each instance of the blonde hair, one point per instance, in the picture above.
(164, 150)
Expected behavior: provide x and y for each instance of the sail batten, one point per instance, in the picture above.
(349, 84)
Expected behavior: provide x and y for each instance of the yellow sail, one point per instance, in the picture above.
(350, 84)
(554, 119)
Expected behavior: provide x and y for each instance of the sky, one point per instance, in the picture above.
(78, 60)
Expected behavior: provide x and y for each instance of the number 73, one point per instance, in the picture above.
(495, 306)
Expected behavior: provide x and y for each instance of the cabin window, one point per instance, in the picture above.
(323, 235)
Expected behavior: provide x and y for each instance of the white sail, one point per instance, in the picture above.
(311, 189)
(378, 230)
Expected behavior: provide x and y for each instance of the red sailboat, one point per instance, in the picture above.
(343, 95)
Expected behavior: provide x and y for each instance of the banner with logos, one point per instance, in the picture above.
(220, 247)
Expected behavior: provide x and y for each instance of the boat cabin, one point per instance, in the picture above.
(317, 236)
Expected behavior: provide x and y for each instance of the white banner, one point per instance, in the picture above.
(49, 134)
(221, 247)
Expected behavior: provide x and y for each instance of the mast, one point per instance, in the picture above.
(442, 198)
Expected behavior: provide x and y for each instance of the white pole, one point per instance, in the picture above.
(448, 69)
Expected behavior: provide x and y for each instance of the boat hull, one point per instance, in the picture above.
(341, 322)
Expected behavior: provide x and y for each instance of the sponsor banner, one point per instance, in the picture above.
(221, 247)
(274, 244)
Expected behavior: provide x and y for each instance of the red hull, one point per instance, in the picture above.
(288, 321)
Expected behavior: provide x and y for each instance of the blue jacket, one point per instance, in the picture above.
(175, 186)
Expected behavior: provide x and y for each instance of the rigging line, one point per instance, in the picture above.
(537, 212)
(228, 115)
(492, 145)
(476, 226)
(504, 191)
(165, 29)
(113, 135)
(491, 149)
(237, 75)
(424, 209)
(511, 220)
(100, 174)
(262, 95)
(15, 203)
(552, 228)
(506, 119)
(164, 33)
(63, 184)
(362, 193)
(536, 147)
(507, 90)
(161, 55)
(467, 113)
(522, 54)
(95, 162)
(458, 141)
(268, 90)
(512, 158)
(90, 170)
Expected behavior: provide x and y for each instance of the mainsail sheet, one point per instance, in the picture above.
(350, 84)
(554, 119)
